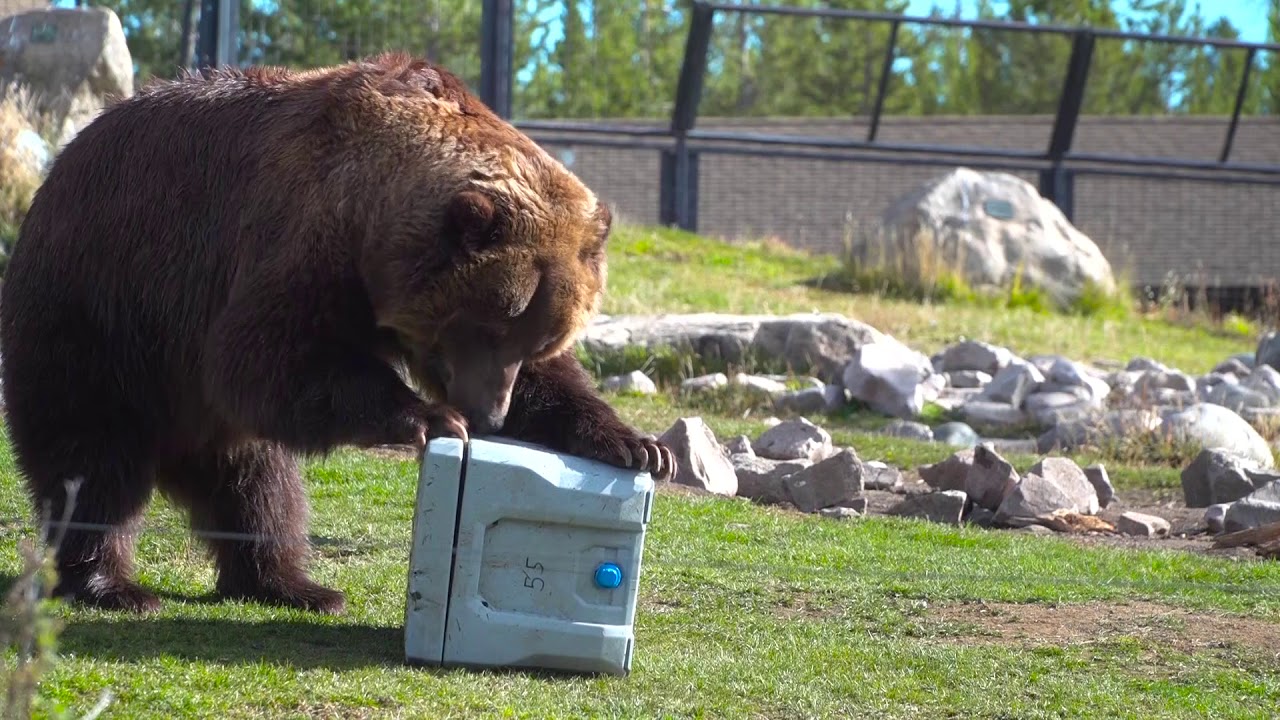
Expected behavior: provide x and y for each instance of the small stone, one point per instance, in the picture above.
(1067, 475)
(892, 379)
(700, 461)
(763, 480)
(967, 379)
(633, 382)
(990, 479)
(839, 512)
(858, 504)
(974, 355)
(1268, 351)
(1215, 517)
(1139, 524)
(1101, 481)
(834, 397)
(1013, 384)
(807, 401)
(909, 429)
(1065, 372)
(956, 434)
(705, 382)
(949, 474)
(1140, 364)
(830, 482)
(877, 475)
(1232, 366)
(982, 412)
(944, 506)
(1034, 529)
(794, 439)
(740, 445)
(767, 386)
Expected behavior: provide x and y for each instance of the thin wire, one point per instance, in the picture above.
(656, 557)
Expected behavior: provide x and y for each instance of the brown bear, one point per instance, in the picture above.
(231, 269)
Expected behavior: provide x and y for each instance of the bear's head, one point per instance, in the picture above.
(504, 269)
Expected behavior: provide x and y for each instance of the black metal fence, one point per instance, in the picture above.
(1189, 195)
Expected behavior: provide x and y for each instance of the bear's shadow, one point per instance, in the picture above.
(302, 644)
(299, 644)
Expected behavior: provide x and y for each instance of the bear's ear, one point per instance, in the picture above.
(471, 221)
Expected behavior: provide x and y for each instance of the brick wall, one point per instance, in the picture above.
(1149, 227)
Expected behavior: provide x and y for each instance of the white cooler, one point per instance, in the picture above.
(524, 558)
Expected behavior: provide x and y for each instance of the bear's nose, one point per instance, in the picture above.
(487, 423)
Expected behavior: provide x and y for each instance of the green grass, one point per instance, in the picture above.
(745, 612)
(659, 270)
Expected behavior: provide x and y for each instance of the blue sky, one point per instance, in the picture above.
(1249, 16)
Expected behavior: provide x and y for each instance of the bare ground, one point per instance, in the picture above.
(1156, 625)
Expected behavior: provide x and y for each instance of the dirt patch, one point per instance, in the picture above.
(1163, 626)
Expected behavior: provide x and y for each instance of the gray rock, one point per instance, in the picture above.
(1064, 371)
(1268, 352)
(1013, 384)
(858, 504)
(990, 479)
(634, 381)
(1232, 366)
(1144, 364)
(833, 481)
(704, 382)
(974, 355)
(1236, 398)
(1264, 380)
(1153, 380)
(877, 475)
(839, 512)
(1215, 476)
(1142, 525)
(909, 429)
(956, 434)
(993, 414)
(762, 480)
(700, 461)
(892, 379)
(1214, 426)
(1032, 497)
(794, 439)
(949, 474)
(1261, 507)
(1087, 431)
(1101, 481)
(834, 397)
(758, 383)
(807, 401)
(822, 344)
(980, 517)
(1215, 517)
(967, 379)
(1036, 244)
(944, 506)
(1067, 475)
(740, 445)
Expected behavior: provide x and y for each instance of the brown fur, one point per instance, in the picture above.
(225, 270)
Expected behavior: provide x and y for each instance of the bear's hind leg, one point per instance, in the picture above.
(95, 554)
(250, 507)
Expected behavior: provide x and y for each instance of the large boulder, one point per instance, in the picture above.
(74, 60)
(989, 227)
(821, 343)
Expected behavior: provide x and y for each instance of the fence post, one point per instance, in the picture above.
(496, 19)
(219, 33)
(1056, 183)
(680, 185)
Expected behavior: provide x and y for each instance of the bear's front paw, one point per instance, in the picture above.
(623, 447)
(417, 425)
